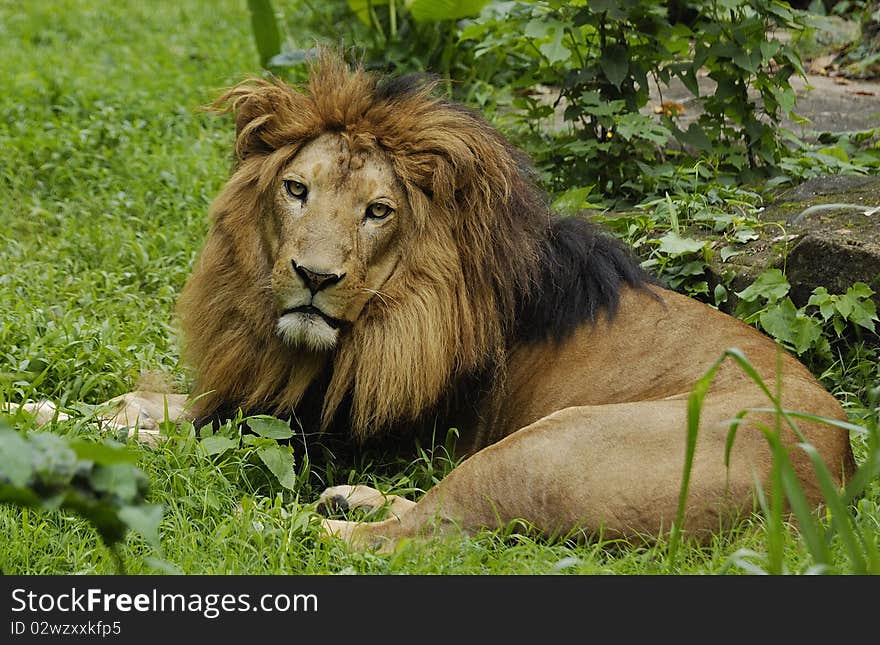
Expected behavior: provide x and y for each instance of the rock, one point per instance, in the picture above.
(824, 232)
(842, 185)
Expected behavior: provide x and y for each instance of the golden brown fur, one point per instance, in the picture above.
(580, 422)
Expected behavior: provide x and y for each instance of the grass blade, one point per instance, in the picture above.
(803, 510)
(694, 407)
(841, 518)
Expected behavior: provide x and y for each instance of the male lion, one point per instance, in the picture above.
(381, 261)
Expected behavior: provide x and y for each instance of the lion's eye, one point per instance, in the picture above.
(379, 211)
(295, 189)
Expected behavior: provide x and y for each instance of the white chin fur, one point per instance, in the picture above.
(307, 330)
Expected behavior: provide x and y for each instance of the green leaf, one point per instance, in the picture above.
(857, 307)
(572, 200)
(845, 305)
(46, 473)
(749, 61)
(427, 10)
(781, 10)
(541, 29)
(728, 252)
(612, 8)
(806, 333)
(778, 320)
(837, 152)
(474, 31)
(769, 49)
(22, 496)
(676, 39)
(843, 520)
(674, 245)
(145, 519)
(860, 290)
(120, 480)
(864, 315)
(555, 51)
(745, 234)
(615, 64)
(727, 90)
(694, 267)
(689, 78)
(551, 33)
(54, 462)
(824, 301)
(803, 509)
(265, 27)
(783, 321)
(361, 8)
(785, 96)
(290, 58)
(771, 284)
(634, 125)
(270, 427)
(214, 445)
(279, 460)
(15, 458)
(103, 453)
(694, 136)
(723, 49)
(694, 410)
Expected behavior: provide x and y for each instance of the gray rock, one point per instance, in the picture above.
(824, 232)
(838, 185)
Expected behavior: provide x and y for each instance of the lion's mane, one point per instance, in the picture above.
(488, 265)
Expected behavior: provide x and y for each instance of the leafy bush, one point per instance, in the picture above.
(571, 79)
(603, 57)
(257, 450)
(766, 303)
(397, 36)
(98, 481)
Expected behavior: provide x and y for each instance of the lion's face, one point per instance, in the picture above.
(371, 235)
(334, 237)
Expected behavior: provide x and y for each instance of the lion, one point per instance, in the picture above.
(381, 261)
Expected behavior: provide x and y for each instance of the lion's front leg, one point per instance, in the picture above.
(360, 535)
(139, 413)
(346, 498)
(363, 534)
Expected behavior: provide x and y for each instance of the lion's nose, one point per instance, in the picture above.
(314, 280)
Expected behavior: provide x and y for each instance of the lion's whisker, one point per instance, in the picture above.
(384, 297)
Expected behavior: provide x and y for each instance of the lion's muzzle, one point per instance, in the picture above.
(314, 280)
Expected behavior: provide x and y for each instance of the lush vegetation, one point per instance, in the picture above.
(107, 169)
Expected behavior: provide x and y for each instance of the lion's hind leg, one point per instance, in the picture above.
(612, 470)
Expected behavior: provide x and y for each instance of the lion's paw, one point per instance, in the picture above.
(344, 498)
(341, 499)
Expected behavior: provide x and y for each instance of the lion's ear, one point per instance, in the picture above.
(257, 105)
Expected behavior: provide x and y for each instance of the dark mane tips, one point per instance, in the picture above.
(582, 271)
(390, 88)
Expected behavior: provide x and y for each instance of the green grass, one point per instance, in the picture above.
(106, 173)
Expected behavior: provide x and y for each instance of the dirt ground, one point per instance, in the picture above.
(830, 103)
(836, 104)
